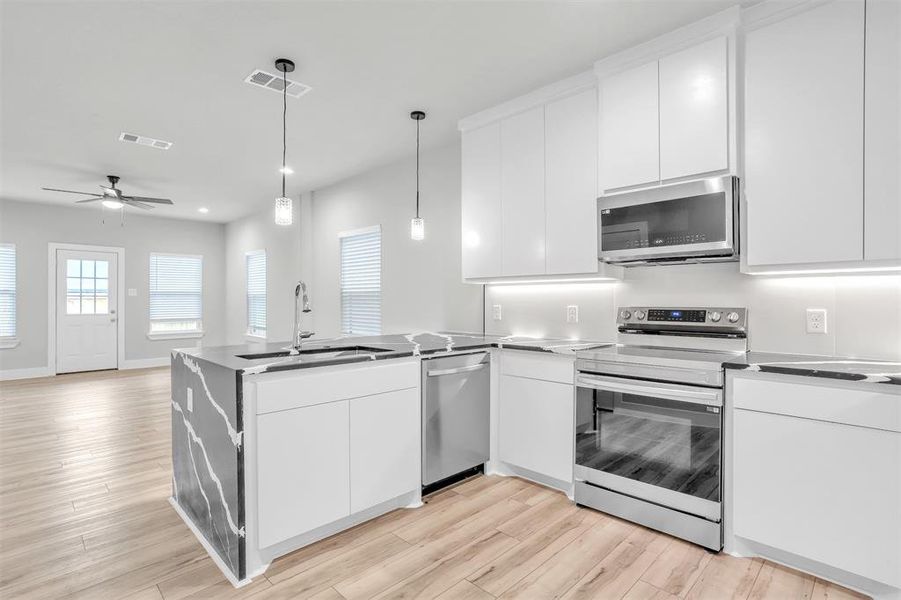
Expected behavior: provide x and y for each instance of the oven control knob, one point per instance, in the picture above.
(639, 314)
(733, 317)
(626, 315)
(715, 316)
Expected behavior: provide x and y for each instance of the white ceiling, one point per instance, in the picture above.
(76, 74)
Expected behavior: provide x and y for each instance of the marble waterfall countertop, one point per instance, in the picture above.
(829, 367)
(252, 358)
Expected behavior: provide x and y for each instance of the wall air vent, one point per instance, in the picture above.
(264, 79)
(144, 140)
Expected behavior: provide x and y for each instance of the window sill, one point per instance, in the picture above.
(10, 342)
(254, 338)
(174, 335)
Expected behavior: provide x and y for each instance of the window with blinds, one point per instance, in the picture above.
(256, 293)
(7, 291)
(361, 282)
(176, 294)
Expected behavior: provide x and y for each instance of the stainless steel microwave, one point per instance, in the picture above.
(694, 221)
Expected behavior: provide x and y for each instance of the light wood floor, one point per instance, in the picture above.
(84, 477)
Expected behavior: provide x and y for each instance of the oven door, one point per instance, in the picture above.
(685, 220)
(659, 442)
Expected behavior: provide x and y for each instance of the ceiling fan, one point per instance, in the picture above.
(113, 197)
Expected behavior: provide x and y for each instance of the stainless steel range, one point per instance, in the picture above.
(649, 419)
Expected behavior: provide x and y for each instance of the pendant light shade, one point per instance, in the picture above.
(284, 208)
(284, 211)
(417, 225)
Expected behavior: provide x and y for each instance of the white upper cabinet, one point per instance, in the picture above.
(694, 110)
(571, 184)
(481, 202)
(882, 176)
(522, 193)
(629, 128)
(530, 185)
(804, 120)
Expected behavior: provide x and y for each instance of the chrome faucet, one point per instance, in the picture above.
(301, 305)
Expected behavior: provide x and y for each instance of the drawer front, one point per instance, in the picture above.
(794, 396)
(296, 389)
(538, 365)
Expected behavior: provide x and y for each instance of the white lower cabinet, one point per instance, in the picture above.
(821, 482)
(303, 470)
(324, 451)
(535, 426)
(384, 447)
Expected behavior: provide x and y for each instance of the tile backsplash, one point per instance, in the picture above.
(864, 312)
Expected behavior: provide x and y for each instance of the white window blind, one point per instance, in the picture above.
(361, 282)
(176, 293)
(256, 293)
(7, 290)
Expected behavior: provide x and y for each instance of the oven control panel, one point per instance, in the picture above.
(661, 318)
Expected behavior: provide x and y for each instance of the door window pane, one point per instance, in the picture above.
(87, 281)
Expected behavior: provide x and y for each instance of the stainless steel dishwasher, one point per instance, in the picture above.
(455, 417)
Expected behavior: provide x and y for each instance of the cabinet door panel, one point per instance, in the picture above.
(481, 202)
(804, 137)
(571, 162)
(882, 201)
(384, 447)
(303, 473)
(535, 426)
(522, 193)
(824, 491)
(694, 110)
(629, 131)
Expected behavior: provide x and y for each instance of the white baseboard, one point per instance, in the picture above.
(145, 363)
(30, 373)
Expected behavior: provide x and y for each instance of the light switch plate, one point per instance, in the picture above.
(132, 292)
(496, 312)
(190, 400)
(816, 320)
(572, 313)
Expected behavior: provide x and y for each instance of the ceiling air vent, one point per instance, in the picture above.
(144, 141)
(272, 82)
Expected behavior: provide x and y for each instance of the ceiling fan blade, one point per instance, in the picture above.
(89, 200)
(146, 199)
(70, 191)
(135, 203)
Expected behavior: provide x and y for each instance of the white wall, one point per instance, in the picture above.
(864, 312)
(421, 281)
(32, 226)
(283, 268)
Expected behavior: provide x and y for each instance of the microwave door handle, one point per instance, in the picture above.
(709, 398)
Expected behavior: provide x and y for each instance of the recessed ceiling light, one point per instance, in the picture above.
(286, 170)
(203, 209)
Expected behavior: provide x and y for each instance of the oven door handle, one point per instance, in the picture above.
(705, 397)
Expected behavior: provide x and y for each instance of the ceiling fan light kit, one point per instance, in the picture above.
(284, 208)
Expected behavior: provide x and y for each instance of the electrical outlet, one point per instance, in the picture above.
(816, 320)
(572, 313)
(496, 312)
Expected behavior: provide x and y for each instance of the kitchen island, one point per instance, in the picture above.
(342, 415)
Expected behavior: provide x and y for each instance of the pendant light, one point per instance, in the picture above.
(284, 208)
(417, 225)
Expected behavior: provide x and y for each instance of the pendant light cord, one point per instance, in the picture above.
(284, 125)
(417, 168)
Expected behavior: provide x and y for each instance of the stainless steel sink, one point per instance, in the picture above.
(321, 353)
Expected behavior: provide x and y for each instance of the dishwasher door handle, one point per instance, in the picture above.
(467, 369)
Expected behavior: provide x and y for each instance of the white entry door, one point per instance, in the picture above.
(87, 316)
